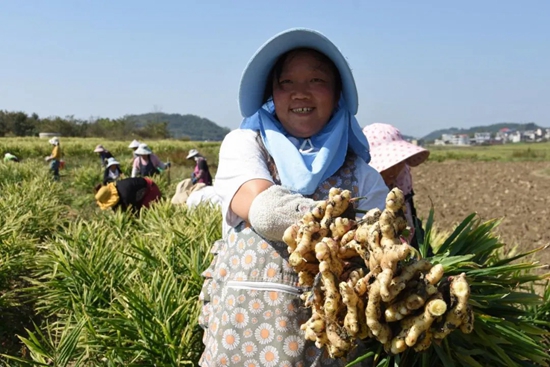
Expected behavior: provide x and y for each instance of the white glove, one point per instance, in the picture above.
(276, 209)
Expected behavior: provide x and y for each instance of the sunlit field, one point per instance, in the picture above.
(506, 152)
(85, 287)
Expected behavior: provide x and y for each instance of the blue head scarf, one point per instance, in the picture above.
(303, 164)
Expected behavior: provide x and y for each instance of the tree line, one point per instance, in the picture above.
(22, 124)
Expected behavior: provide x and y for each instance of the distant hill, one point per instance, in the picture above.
(478, 129)
(191, 126)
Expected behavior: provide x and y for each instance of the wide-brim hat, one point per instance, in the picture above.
(107, 196)
(54, 141)
(192, 153)
(99, 149)
(112, 162)
(388, 147)
(143, 149)
(254, 78)
(134, 144)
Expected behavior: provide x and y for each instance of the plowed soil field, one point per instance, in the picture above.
(518, 193)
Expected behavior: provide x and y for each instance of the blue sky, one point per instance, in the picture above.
(419, 65)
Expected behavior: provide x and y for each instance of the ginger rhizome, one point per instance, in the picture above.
(364, 280)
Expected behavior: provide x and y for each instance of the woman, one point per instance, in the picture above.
(392, 156)
(146, 163)
(294, 144)
(103, 153)
(112, 171)
(201, 173)
(55, 157)
(131, 194)
(134, 145)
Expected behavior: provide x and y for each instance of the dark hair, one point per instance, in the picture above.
(97, 187)
(277, 70)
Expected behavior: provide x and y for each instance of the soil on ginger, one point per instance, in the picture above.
(518, 193)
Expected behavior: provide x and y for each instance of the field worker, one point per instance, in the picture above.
(130, 194)
(195, 194)
(134, 145)
(298, 139)
(147, 163)
(201, 173)
(103, 153)
(112, 171)
(55, 157)
(8, 157)
(393, 156)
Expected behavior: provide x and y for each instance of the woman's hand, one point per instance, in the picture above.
(275, 209)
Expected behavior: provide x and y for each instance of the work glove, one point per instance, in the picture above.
(276, 209)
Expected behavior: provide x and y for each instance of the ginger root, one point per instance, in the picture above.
(367, 283)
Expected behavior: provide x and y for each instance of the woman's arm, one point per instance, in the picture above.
(244, 196)
(156, 161)
(55, 154)
(240, 161)
(105, 176)
(135, 167)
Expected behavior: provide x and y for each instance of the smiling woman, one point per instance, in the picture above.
(298, 139)
(304, 91)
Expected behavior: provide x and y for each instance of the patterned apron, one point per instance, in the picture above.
(252, 309)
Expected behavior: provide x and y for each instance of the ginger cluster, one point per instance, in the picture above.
(367, 282)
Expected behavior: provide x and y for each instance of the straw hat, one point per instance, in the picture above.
(107, 196)
(143, 149)
(388, 148)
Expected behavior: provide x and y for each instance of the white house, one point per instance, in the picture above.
(515, 137)
(460, 139)
(447, 138)
(529, 135)
(480, 138)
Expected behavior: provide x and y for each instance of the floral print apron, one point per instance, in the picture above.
(252, 309)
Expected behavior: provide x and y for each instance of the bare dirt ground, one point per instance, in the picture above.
(518, 193)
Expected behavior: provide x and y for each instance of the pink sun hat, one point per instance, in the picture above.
(388, 148)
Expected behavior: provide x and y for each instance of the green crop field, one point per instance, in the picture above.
(83, 287)
(505, 153)
(79, 284)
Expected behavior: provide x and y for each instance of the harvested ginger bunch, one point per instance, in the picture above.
(365, 283)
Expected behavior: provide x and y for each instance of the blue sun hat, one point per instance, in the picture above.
(254, 78)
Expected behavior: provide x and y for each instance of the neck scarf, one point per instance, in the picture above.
(304, 163)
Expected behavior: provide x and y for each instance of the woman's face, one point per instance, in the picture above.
(304, 95)
(389, 175)
(113, 168)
